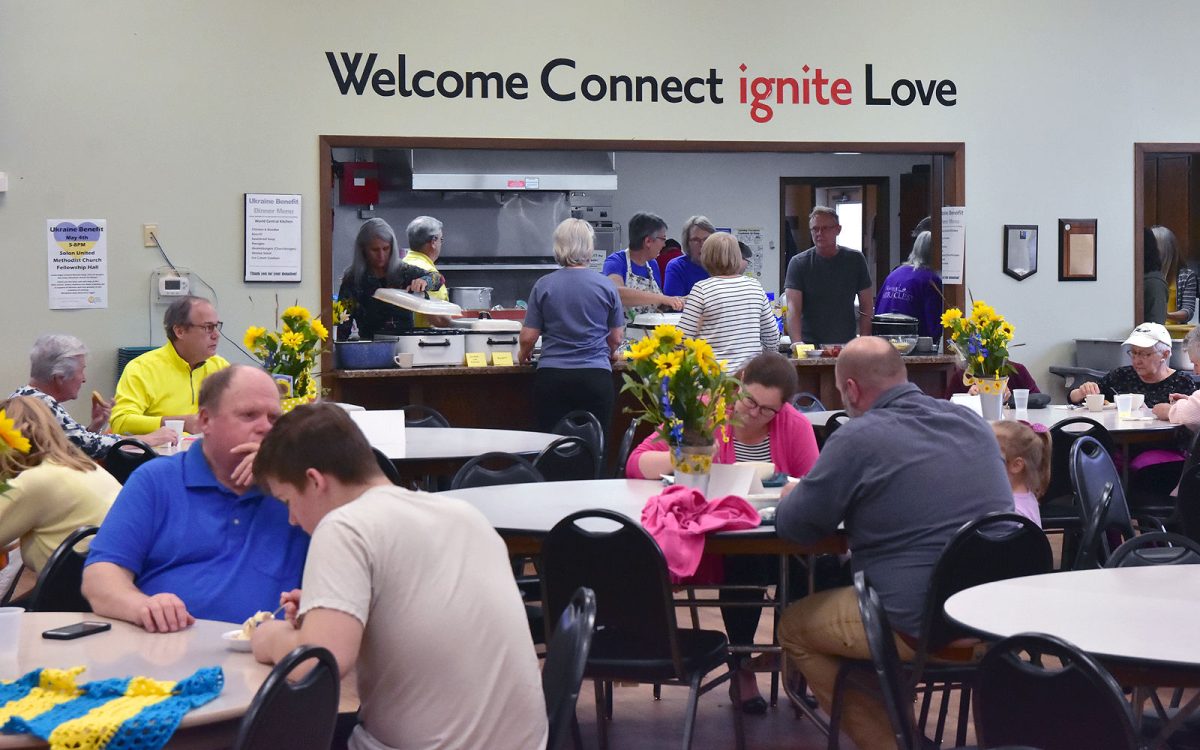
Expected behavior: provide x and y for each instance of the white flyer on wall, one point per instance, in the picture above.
(77, 258)
(753, 237)
(953, 243)
(272, 237)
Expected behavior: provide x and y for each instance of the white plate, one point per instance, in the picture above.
(234, 640)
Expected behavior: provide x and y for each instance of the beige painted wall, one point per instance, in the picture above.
(167, 112)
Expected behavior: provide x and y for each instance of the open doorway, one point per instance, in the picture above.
(1166, 193)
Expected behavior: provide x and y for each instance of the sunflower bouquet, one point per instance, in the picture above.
(291, 353)
(981, 341)
(682, 388)
(11, 439)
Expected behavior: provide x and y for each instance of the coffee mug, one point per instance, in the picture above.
(403, 360)
(1094, 401)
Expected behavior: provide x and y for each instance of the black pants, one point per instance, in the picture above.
(557, 392)
(742, 622)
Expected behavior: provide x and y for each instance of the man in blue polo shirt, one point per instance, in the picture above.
(189, 536)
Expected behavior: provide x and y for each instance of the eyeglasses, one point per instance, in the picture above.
(818, 230)
(755, 406)
(659, 237)
(1142, 353)
(208, 328)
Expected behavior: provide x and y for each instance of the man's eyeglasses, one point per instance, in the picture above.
(659, 237)
(818, 230)
(755, 406)
(209, 328)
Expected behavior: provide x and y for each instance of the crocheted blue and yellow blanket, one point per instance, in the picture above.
(133, 713)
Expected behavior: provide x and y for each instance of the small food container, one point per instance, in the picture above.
(431, 347)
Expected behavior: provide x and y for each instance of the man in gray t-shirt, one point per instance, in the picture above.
(821, 284)
(904, 474)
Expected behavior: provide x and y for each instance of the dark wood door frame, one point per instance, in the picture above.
(948, 180)
(1140, 152)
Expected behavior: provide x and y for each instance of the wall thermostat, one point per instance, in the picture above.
(173, 286)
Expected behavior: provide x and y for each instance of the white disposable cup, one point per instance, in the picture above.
(1124, 405)
(403, 360)
(1094, 401)
(10, 629)
(1139, 400)
(1021, 398)
(177, 426)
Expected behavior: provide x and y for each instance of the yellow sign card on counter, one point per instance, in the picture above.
(476, 359)
(502, 359)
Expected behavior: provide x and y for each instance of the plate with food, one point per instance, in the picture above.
(239, 639)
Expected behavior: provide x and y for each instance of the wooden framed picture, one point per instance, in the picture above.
(1076, 249)
(1020, 250)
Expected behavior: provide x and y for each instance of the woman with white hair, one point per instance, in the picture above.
(913, 288)
(425, 238)
(377, 264)
(578, 314)
(1149, 348)
(57, 371)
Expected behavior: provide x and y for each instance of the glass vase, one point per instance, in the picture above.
(692, 464)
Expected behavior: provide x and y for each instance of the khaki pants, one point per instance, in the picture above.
(817, 633)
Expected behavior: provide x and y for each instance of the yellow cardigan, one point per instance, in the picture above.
(159, 383)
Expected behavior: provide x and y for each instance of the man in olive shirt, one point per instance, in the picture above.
(903, 475)
(821, 284)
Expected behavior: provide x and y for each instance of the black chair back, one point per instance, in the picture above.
(1023, 697)
(625, 449)
(1095, 547)
(1155, 548)
(387, 467)
(806, 402)
(568, 458)
(1062, 438)
(418, 415)
(496, 467)
(583, 424)
(125, 455)
(897, 699)
(58, 585)
(566, 659)
(1092, 470)
(835, 420)
(625, 569)
(993, 548)
(297, 715)
(1188, 502)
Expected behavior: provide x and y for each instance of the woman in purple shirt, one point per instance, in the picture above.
(578, 314)
(915, 289)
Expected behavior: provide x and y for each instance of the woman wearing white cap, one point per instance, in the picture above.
(1149, 348)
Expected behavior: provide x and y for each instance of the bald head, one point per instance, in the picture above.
(867, 366)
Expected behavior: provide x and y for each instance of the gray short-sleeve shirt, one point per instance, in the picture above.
(829, 286)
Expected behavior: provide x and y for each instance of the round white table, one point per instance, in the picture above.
(460, 443)
(1052, 415)
(127, 651)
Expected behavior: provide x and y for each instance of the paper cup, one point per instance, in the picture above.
(1021, 398)
(1139, 400)
(10, 629)
(177, 426)
(1094, 401)
(1124, 405)
(403, 360)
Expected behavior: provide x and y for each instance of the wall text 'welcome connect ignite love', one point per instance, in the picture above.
(560, 80)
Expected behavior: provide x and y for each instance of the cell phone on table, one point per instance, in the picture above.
(78, 630)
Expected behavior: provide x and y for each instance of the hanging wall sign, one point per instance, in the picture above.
(272, 237)
(77, 254)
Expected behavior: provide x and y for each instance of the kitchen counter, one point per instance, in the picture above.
(503, 398)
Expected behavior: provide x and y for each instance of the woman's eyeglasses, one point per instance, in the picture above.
(754, 405)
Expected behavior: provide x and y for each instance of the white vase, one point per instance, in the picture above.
(991, 397)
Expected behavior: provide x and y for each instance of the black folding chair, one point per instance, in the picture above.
(494, 468)
(1107, 522)
(387, 467)
(835, 420)
(993, 548)
(806, 402)
(125, 455)
(894, 690)
(419, 415)
(583, 424)
(636, 637)
(298, 715)
(1155, 548)
(1059, 510)
(562, 672)
(625, 449)
(568, 458)
(58, 585)
(1041, 691)
(1188, 502)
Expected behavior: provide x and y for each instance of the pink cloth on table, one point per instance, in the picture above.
(680, 517)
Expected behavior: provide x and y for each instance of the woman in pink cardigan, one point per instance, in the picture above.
(766, 428)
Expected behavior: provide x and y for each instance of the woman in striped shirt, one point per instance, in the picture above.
(728, 310)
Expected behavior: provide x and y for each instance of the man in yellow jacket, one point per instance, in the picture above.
(164, 384)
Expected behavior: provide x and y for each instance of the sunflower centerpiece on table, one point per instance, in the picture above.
(290, 354)
(11, 439)
(981, 342)
(684, 392)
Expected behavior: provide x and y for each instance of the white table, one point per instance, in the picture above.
(1141, 622)
(126, 651)
(1054, 414)
(460, 443)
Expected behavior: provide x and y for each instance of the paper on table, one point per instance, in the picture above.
(384, 429)
(969, 401)
(732, 479)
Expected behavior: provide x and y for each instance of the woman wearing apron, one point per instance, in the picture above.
(631, 270)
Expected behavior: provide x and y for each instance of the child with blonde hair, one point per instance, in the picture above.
(1025, 449)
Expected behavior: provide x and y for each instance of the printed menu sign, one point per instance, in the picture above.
(954, 219)
(272, 237)
(77, 255)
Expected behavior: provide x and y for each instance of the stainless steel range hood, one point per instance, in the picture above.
(466, 169)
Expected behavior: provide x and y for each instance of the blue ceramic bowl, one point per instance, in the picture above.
(364, 355)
